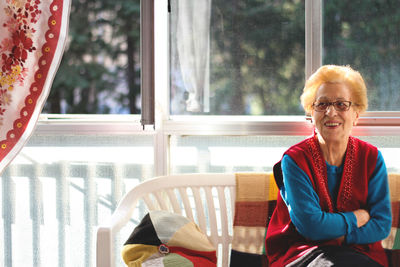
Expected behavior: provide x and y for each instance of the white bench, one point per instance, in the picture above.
(207, 199)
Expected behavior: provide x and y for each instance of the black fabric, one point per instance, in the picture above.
(277, 169)
(144, 233)
(241, 259)
(393, 256)
(335, 256)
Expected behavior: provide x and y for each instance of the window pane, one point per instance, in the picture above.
(253, 153)
(228, 153)
(60, 188)
(100, 69)
(365, 35)
(236, 57)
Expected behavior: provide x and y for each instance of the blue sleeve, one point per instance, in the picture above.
(378, 227)
(304, 209)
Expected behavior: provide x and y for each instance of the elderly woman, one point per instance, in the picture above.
(333, 208)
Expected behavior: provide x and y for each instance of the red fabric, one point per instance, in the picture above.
(251, 213)
(395, 214)
(283, 243)
(198, 258)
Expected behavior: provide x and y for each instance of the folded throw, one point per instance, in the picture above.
(256, 195)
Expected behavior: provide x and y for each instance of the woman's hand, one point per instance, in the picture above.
(362, 217)
(340, 239)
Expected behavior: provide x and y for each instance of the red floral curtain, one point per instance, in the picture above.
(32, 38)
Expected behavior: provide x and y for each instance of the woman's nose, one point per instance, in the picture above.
(330, 110)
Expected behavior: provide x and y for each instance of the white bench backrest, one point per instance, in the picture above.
(207, 199)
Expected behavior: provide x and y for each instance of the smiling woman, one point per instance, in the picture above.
(331, 181)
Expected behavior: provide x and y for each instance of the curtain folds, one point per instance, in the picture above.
(193, 49)
(32, 39)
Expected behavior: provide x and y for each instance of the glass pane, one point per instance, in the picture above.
(60, 188)
(366, 36)
(100, 69)
(253, 153)
(228, 153)
(237, 57)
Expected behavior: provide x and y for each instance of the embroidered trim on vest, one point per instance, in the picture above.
(346, 195)
(321, 173)
(320, 168)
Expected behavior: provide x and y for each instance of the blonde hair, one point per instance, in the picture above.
(335, 74)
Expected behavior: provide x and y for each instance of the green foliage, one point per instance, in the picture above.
(257, 58)
(261, 45)
(100, 65)
(365, 35)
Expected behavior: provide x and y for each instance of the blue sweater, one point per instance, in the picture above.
(313, 223)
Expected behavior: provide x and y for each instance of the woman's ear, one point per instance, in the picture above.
(357, 116)
(312, 117)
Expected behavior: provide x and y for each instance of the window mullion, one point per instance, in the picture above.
(147, 60)
(313, 26)
(161, 83)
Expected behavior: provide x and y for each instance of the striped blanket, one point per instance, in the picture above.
(256, 195)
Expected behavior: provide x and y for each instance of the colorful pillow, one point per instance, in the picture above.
(168, 239)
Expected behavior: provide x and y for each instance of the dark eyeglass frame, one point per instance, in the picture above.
(339, 105)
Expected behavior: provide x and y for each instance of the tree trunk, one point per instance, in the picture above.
(237, 105)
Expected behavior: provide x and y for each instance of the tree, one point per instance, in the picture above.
(257, 58)
(99, 72)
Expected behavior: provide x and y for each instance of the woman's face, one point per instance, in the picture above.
(332, 125)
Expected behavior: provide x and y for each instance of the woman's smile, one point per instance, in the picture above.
(332, 124)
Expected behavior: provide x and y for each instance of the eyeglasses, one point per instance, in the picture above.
(338, 105)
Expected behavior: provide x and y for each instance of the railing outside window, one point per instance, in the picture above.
(60, 188)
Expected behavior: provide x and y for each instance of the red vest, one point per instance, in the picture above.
(283, 242)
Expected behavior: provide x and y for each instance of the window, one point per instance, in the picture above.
(71, 174)
(226, 153)
(237, 57)
(60, 187)
(100, 69)
(365, 35)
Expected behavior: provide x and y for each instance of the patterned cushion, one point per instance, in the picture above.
(168, 239)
